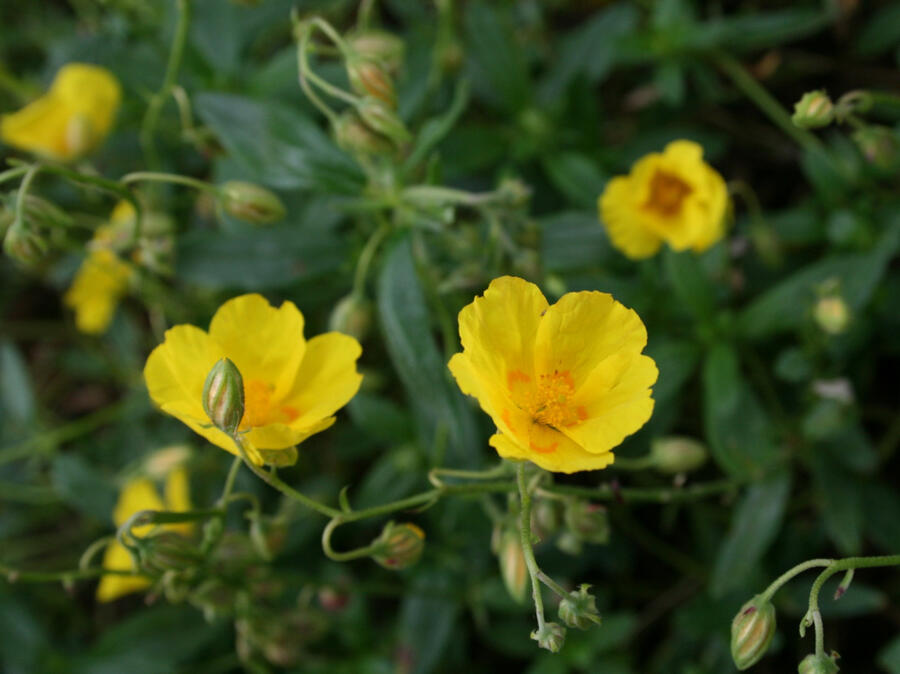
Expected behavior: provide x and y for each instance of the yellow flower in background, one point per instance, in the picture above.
(292, 387)
(673, 197)
(71, 119)
(138, 494)
(564, 383)
(102, 279)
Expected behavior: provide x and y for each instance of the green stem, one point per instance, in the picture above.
(645, 494)
(349, 555)
(839, 565)
(153, 176)
(820, 634)
(15, 172)
(552, 584)
(790, 573)
(527, 549)
(154, 108)
(14, 575)
(366, 257)
(22, 194)
(764, 100)
(229, 481)
(634, 463)
(306, 74)
(433, 475)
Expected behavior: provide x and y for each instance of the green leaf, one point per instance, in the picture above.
(889, 657)
(573, 240)
(17, 402)
(842, 510)
(781, 308)
(394, 475)
(691, 285)
(881, 32)
(257, 259)
(380, 417)
(80, 485)
(407, 335)
(434, 130)
(676, 360)
(882, 516)
(754, 525)
(576, 176)
(737, 429)
(761, 30)
(277, 145)
(426, 623)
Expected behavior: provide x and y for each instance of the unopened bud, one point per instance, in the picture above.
(879, 145)
(677, 454)
(24, 245)
(823, 664)
(42, 213)
(751, 632)
(832, 314)
(250, 202)
(400, 546)
(355, 137)
(168, 551)
(513, 569)
(352, 315)
(369, 78)
(223, 396)
(813, 111)
(380, 46)
(379, 117)
(551, 636)
(587, 521)
(579, 609)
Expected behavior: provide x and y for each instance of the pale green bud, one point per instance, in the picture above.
(587, 521)
(353, 136)
(352, 316)
(818, 665)
(369, 78)
(814, 110)
(250, 202)
(400, 545)
(551, 636)
(751, 632)
(379, 117)
(832, 314)
(24, 245)
(168, 551)
(677, 454)
(579, 609)
(378, 45)
(223, 396)
(513, 569)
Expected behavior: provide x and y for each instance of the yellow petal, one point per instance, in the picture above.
(566, 457)
(136, 495)
(620, 214)
(96, 290)
(112, 587)
(265, 343)
(39, 127)
(91, 91)
(326, 381)
(283, 436)
(178, 491)
(492, 397)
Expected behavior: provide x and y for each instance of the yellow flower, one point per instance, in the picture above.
(71, 119)
(139, 494)
(563, 383)
(674, 197)
(292, 387)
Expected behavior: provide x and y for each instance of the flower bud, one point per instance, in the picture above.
(250, 202)
(223, 396)
(677, 454)
(579, 609)
(352, 315)
(24, 245)
(42, 213)
(814, 110)
(400, 545)
(369, 78)
(513, 569)
(168, 551)
(587, 521)
(551, 636)
(379, 46)
(751, 632)
(355, 137)
(832, 314)
(879, 145)
(824, 664)
(379, 117)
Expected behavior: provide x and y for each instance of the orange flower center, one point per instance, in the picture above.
(667, 193)
(260, 409)
(548, 399)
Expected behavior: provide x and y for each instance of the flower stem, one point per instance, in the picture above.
(349, 555)
(13, 173)
(365, 258)
(527, 549)
(229, 481)
(790, 573)
(152, 176)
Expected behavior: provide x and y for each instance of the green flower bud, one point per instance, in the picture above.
(832, 314)
(579, 609)
(513, 569)
(587, 521)
(223, 396)
(379, 117)
(24, 245)
(250, 202)
(352, 315)
(879, 145)
(551, 636)
(814, 110)
(42, 213)
(677, 454)
(379, 46)
(369, 78)
(355, 137)
(818, 665)
(399, 546)
(168, 551)
(751, 632)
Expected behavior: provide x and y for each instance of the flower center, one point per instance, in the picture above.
(260, 409)
(546, 400)
(667, 193)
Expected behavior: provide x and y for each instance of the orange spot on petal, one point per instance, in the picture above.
(290, 412)
(506, 417)
(549, 449)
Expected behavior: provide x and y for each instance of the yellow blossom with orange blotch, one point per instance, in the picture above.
(292, 387)
(673, 197)
(564, 383)
(71, 119)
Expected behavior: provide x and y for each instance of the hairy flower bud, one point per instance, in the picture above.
(168, 551)
(400, 545)
(378, 45)
(353, 136)
(379, 117)
(814, 110)
(250, 202)
(369, 78)
(551, 636)
(587, 521)
(223, 396)
(24, 245)
(513, 569)
(813, 664)
(832, 314)
(751, 632)
(677, 454)
(352, 315)
(579, 609)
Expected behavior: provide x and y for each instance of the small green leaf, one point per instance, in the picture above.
(889, 657)
(17, 403)
(840, 493)
(690, 283)
(495, 62)
(576, 176)
(80, 485)
(573, 240)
